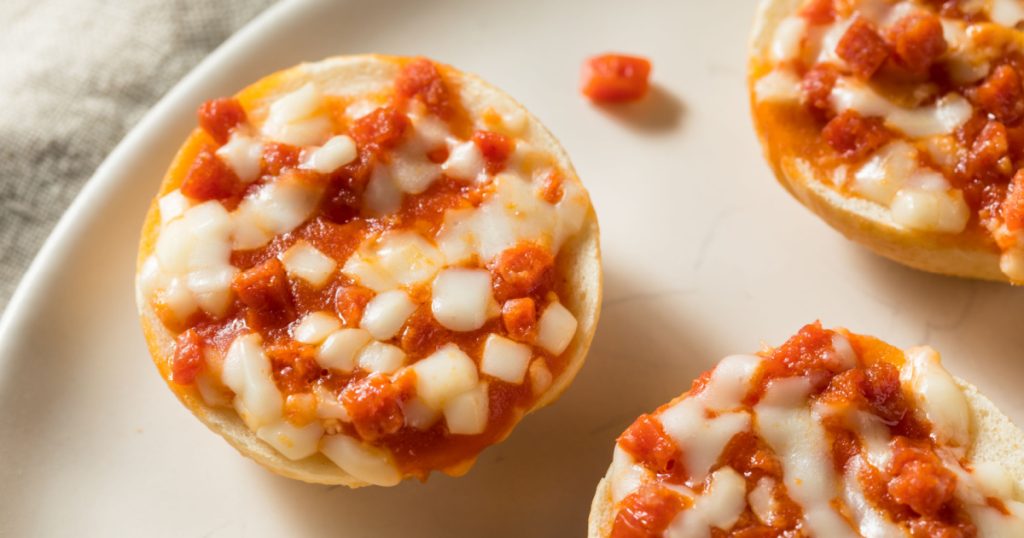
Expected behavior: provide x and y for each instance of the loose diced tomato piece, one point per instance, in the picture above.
(265, 290)
(817, 87)
(863, 49)
(374, 403)
(1000, 94)
(648, 443)
(420, 78)
(1013, 206)
(188, 357)
(615, 78)
(521, 270)
(495, 147)
(917, 41)
(646, 513)
(920, 481)
(278, 156)
(380, 129)
(350, 302)
(819, 11)
(210, 179)
(855, 136)
(520, 318)
(219, 116)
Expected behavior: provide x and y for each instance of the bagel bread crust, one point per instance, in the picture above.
(993, 438)
(578, 261)
(971, 254)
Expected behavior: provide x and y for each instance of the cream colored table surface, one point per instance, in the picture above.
(704, 256)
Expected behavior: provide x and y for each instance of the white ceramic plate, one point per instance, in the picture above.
(704, 256)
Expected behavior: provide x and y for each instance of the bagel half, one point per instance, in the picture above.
(366, 82)
(791, 138)
(990, 438)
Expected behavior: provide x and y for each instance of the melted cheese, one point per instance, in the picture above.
(172, 205)
(719, 507)
(444, 375)
(789, 36)
(930, 210)
(294, 118)
(944, 117)
(381, 357)
(303, 260)
(275, 208)
(786, 424)
(336, 152)
(295, 443)
(461, 299)
(465, 162)
(1006, 12)
(315, 327)
(556, 328)
(886, 172)
(780, 85)
(361, 460)
(398, 258)
(386, 313)
(872, 522)
(505, 359)
(339, 350)
(466, 413)
(625, 475)
(936, 393)
(247, 373)
(687, 424)
(242, 154)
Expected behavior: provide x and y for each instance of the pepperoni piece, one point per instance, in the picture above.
(648, 443)
(615, 78)
(374, 403)
(863, 49)
(421, 79)
(1001, 94)
(265, 290)
(551, 187)
(855, 136)
(219, 116)
(646, 513)
(917, 41)
(496, 149)
(520, 318)
(277, 157)
(988, 157)
(1013, 206)
(188, 357)
(818, 11)
(817, 86)
(919, 481)
(521, 270)
(294, 366)
(350, 302)
(380, 129)
(210, 179)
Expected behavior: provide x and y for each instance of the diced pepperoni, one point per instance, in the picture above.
(854, 136)
(551, 187)
(520, 318)
(883, 392)
(294, 366)
(863, 49)
(819, 11)
(219, 116)
(1013, 206)
(278, 156)
(615, 78)
(496, 149)
(988, 158)
(521, 270)
(919, 481)
(438, 155)
(808, 353)
(646, 513)
(932, 528)
(350, 302)
(421, 79)
(380, 129)
(210, 179)
(917, 41)
(188, 357)
(1001, 94)
(422, 334)
(265, 290)
(648, 443)
(374, 403)
(817, 87)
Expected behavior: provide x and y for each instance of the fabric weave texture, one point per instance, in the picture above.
(75, 76)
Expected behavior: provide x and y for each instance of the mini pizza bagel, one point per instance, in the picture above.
(368, 268)
(901, 124)
(831, 434)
